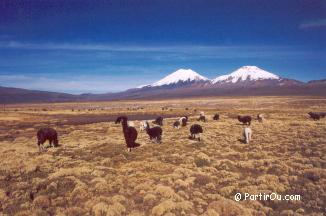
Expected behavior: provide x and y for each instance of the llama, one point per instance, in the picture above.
(322, 114)
(317, 115)
(260, 117)
(244, 119)
(176, 124)
(247, 134)
(202, 117)
(183, 121)
(314, 116)
(130, 133)
(154, 133)
(195, 129)
(216, 117)
(158, 121)
(44, 134)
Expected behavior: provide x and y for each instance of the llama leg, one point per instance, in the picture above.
(42, 147)
(40, 143)
(39, 146)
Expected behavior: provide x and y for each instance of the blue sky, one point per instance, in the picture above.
(108, 46)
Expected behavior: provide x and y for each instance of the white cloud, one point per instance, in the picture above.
(82, 84)
(4, 78)
(313, 24)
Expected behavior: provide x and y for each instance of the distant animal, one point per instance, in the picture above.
(158, 121)
(315, 116)
(202, 117)
(176, 124)
(322, 114)
(44, 134)
(244, 119)
(130, 133)
(195, 130)
(142, 126)
(247, 132)
(260, 117)
(183, 121)
(216, 117)
(155, 133)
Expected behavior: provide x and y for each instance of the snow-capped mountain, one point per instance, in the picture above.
(246, 76)
(179, 77)
(247, 80)
(246, 73)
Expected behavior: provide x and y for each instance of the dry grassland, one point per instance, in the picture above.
(91, 173)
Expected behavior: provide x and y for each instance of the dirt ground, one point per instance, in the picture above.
(91, 173)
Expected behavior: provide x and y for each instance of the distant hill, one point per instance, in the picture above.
(18, 95)
(247, 80)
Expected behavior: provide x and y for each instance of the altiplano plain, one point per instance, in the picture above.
(91, 172)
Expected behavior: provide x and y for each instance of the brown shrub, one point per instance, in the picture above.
(202, 179)
(42, 202)
(226, 207)
(314, 174)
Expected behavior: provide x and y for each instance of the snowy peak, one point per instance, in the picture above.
(244, 75)
(251, 73)
(181, 75)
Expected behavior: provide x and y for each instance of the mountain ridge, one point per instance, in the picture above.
(247, 80)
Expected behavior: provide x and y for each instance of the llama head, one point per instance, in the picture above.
(121, 119)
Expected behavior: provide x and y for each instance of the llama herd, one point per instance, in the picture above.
(155, 133)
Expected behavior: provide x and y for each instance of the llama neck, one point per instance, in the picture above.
(124, 125)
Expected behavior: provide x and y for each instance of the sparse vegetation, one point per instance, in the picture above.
(91, 173)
